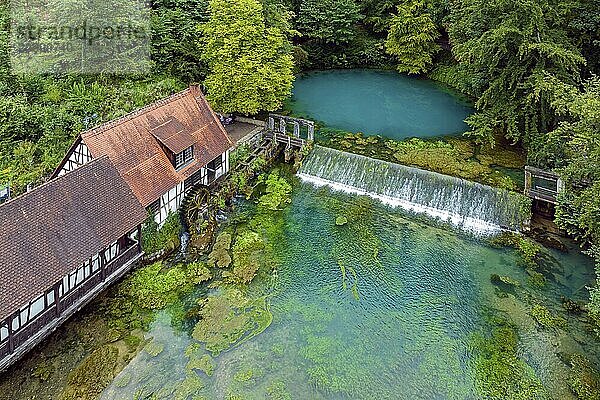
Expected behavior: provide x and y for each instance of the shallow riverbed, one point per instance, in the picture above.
(382, 306)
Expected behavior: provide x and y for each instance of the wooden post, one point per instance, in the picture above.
(139, 238)
(296, 129)
(560, 185)
(527, 181)
(11, 345)
(57, 298)
(311, 132)
(282, 125)
(102, 266)
(271, 123)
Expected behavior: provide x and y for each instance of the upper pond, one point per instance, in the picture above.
(379, 103)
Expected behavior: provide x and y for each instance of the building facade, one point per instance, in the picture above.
(67, 240)
(161, 151)
(62, 244)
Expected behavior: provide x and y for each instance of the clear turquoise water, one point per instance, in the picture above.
(394, 323)
(379, 102)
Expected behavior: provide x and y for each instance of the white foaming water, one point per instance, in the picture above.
(475, 208)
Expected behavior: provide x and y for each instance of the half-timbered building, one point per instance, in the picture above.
(67, 240)
(60, 245)
(161, 150)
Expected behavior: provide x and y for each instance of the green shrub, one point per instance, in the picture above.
(166, 237)
(278, 192)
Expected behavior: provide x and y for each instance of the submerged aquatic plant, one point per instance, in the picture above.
(154, 348)
(499, 372)
(278, 391)
(90, 377)
(199, 360)
(229, 318)
(584, 380)
(543, 317)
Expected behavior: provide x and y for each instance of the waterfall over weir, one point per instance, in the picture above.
(473, 207)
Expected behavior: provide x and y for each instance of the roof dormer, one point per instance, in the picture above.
(175, 141)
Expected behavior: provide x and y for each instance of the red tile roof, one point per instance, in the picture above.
(48, 232)
(133, 142)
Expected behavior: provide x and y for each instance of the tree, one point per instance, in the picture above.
(175, 48)
(412, 36)
(328, 21)
(577, 141)
(513, 46)
(250, 64)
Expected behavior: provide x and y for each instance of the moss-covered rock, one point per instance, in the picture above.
(219, 255)
(247, 253)
(535, 279)
(544, 318)
(154, 287)
(504, 281)
(341, 220)
(584, 380)
(198, 272)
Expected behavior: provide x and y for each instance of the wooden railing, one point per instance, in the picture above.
(539, 192)
(61, 305)
(283, 138)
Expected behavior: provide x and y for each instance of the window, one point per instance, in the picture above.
(216, 163)
(184, 157)
(3, 332)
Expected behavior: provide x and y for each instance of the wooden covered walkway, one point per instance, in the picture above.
(61, 245)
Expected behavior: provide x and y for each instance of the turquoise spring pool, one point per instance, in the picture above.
(379, 103)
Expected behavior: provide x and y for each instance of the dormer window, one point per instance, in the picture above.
(184, 158)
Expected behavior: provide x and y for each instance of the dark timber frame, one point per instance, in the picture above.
(60, 304)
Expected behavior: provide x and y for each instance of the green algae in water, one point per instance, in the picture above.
(229, 318)
(409, 335)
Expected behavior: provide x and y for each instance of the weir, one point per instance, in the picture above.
(471, 206)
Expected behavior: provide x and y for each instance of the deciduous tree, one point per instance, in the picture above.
(512, 46)
(328, 21)
(250, 64)
(411, 37)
